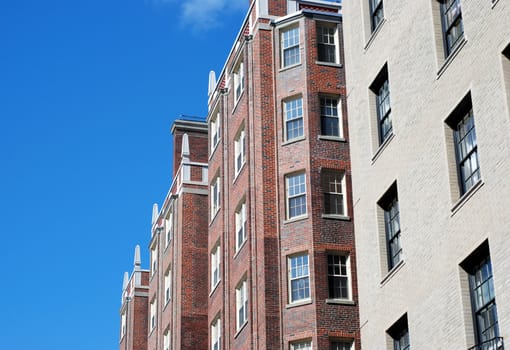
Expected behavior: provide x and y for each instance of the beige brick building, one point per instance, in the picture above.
(428, 97)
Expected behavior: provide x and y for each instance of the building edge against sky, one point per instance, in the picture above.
(428, 98)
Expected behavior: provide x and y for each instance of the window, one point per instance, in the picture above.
(215, 131)
(296, 195)
(330, 117)
(216, 335)
(168, 285)
(483, 300)
(166, 340)
(376, 13)
(453, 29)
(299, 278)
(238, 80)
(302, 345)
(338, 276)
(169, 229)
(293, 113)
(240, 151)
(333, 188)
(154, 259)
(242, 304)
(341, 345)
(290, 47)
(399, 332)
(381, 89)
(389, 204)
(215, 266)
(215, 196)
(327, 42)
(240, 226)
(152, 320)
(462, 122)
(123, 325)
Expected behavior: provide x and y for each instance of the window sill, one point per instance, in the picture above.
(238, 250)
(297, 139)
(374, 34)
(466, 196)
(451, 57)
(340, 302)
(214, 216)
(289, 67)
(166, 304)
(297, 218)
(238, 172)
(336, 217)
(214, 288)
(392, 272)
(236, 103)
(382, 147)
(494, 2)
(331, 138)
(240, 329)
(329, 64)
(299, 303)
(213, 151)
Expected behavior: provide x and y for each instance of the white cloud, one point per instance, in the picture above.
(205, 14)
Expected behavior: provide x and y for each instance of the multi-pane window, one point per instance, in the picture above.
(466, 147)
(215, 131)
(483, 299)
(327, 42)
(381, 89)
(453, 29)
(216, 335)
(340, 345)
(338, 276)
(296, 195)
(242, 303)
(299, 278)
(333, 188)
(399, 332)
(166, 340)
(169, 229)
(293, 114)
(215, 266)
(168, 285)
(290, 47)
(215, 196)
(302, 345)
(238, 80)
(153, 309)
(239, 151)
(389, 204)
(376, 13)
(330, 117)
(154, 259)
(123, 324)
(240, 225)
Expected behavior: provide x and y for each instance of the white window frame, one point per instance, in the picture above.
(239, 151)
(324, 108)
(288, 43)
(293, 113)
(215, 266)
(305, 275)
(154, 259)
(215, 196)
(238, 80)
(290, 195)
(215, 130)
(166, 339)
(333, 191)
(335, 43)
(123, 324)
(242, 304)
(153, 314)
(169, 222)
(240, 226)
(347, 275)
(301, 345)
(168, 285)
(216, 334)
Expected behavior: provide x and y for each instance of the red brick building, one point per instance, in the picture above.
(281, 243)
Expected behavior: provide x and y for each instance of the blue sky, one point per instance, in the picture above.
(88, 92)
